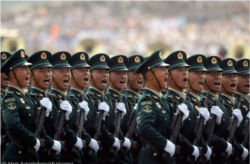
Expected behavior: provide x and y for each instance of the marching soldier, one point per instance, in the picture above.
(165, 88)
(177, 80)
(98, 81)
(79, 79)
(117, 81)
(134, 85)
(60, 82)
(41, 76)
(18, 111)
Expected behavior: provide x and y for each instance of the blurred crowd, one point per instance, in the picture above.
(131, 27)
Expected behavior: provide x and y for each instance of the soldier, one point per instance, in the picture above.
(18, 110)
(4, 86)
(165, 88)
(60, 82)
(79, 79)
(98, 81)
(41, 76)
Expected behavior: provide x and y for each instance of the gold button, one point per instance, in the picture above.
(20, 152)
(165, 118)
(65, 149)
(89, 116)
(107, 114)
(155, 154)
(223, 119)
(29, 114)
(214, 155)
(100, 148)
(189, 119)
(51, 116)
(180, 156)
(70, 115)
(45, 150)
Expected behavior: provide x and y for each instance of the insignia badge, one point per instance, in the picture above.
(120, 60)
(18, 93)
(177, 97)
(27, 107)
(163, 111)
(160, 55)
(193, 99)
(11, 106)
(214, 61)
(22, 100)
(114, 95)
(146, 102)
(180, 56)
(137, 59)
(98, 95)
(229, 101)
(63, 56)
(43, 56)
(147, 111)
(245, 63)
(60, 96)
(213, 98)
(244, 106)
(171, 96)
(155, 97)
(102, 58)
(197, 108)
(4, 56)
(82, 57)
(9, 99)
(22, 54)
(230, 63)
(199, 59)
(158, 104)
(148, 95)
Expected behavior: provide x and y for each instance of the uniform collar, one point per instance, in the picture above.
(98, 90)
(78, 90)
(214, 95)
(115, 91)
(61, 92)
(137, 94)
(229, 97)
(243, 95)
(17, 88)
(4, 90)
(182, 94)
(196, 96)
(155, 92)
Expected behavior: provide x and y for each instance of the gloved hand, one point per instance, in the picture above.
(205, 113)
(94, 145)
(105, 108)
(126, 143)
(45, 102)
(248, 115)
(65, 105)
(57, 147)
(84, 106)
(208, 153)
(229, 149)
(121, 107)
(78, 144)
(196, 152)
(117, 144)
(170, 148)
(37, 146)
(135, 106)
(184, 109)
(237, 113)
(244, 154)
(218, 112)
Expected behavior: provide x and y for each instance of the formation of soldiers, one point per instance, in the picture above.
(124, 110)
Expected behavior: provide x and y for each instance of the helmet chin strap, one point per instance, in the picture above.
(174, 80)
(224, 88)
(112, 82)
(35, 79)
(190, 85)
(16, 77)
(207, 85)
(75, 80)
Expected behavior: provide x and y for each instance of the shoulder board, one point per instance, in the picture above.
(155, 97)
(148, 95)
(18, 93)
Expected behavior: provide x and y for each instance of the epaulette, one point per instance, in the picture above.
(155, 97)
(18, 93)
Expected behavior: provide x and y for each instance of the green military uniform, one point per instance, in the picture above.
(61, 60)
(18, 113)
(100, 61)
(42, 59)
(4, 57)
(163, 92)
(119, 63)
(153, 116)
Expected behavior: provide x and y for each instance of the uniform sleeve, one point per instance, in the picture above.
(186, 145)
(145, 118)
(219, 143)
(49, 142)
(14, 127)
(107, 138)
(70, 136)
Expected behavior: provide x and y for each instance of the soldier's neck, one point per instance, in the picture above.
(176, 88)
(18, 88)
(156, 88)
(129, 87)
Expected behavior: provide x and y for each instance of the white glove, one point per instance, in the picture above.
(78, 144)
(229, 149)
(184, 109)
(84, 106)
(45, 102)
(196, 152)
(57, 146)
(117, 143)
(244, 154)
(94, 145)
(126, 143)
(135, 106)
(208, 153)
(105, 108)
(65, 105)
(205, 113)
(237, 113)
(170, 148)
(218, 112)
(37, 146)
(248, 115)
(121, 107)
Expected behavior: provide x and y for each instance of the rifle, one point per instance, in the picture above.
(197, 131)
(39, 121)
(58, 125)
(174, 129)
(209, 128)
(97, 126)
(78, 123)
(116, 124)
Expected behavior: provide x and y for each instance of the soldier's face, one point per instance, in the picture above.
(62, 78)
(81, 76)
(213, 80)
(161, 74)
(135, 80)
(4, 81)
(243, 84)
(23, 75)
(42, 76)
(196, 79)
(229, 82)
(100, 78)
(119, 80)
(180, 76)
